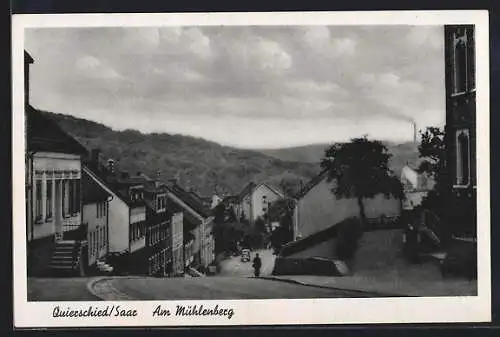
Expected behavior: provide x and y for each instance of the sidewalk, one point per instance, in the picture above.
(418, 280)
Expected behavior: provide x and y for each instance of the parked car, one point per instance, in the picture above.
(245, 255)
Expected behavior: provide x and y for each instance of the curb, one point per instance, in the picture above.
(93, 282)
(365, 292)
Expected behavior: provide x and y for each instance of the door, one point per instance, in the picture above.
(58, 210)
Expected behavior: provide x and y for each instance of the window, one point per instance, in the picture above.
(460, 67)
(463, 158)
(471, 58)
(161, 203)
(38, 200)
(48, 206)
(101, 210)
(76, 196)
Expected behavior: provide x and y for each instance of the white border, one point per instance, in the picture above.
(262, 312)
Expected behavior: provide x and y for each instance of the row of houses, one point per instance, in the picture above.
(85, 215)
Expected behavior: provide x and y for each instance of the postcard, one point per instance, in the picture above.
(251, 168)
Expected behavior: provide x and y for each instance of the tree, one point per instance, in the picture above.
(360, 169)
(281, 211)
(432, 150)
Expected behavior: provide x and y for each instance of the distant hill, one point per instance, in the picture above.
(204, 166)
(401, 154)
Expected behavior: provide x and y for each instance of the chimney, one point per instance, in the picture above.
(111, 166)
(157, 178)
(414, 133)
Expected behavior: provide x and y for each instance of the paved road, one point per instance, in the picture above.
(234, 267)
(60, 289)
(211, 288)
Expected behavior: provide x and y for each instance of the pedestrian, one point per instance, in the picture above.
(257, 264)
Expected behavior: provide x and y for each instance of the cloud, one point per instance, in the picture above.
(324, 81)
(92, 67)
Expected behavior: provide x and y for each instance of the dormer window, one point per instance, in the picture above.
(161, 203)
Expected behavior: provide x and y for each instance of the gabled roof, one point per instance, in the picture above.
(119, 187)
(43, 134)
(27, 57)
(310, 185)
(188, 199)
(246, 190)
(92, 192)
(250, 187)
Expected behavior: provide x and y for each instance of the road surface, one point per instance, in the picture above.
(211, 288)
(233, 266)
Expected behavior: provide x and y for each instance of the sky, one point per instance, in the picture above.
(245, 86)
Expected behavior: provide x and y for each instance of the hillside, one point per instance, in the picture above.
(401, 154)
(205, 166)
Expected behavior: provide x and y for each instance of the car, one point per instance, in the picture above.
(245, 255)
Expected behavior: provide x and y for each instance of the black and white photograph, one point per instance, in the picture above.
(200, 167)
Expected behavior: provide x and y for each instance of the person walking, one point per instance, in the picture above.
(257, 264)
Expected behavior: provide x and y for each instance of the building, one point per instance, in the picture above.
(416, 186)
(460, 129)
(198, 240)
(53, 194)
(177, 242)
(95, 217)
(126, 216)
(158, 225)
(254, 201)
(317, 210)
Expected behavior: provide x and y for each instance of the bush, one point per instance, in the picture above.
(348, 235)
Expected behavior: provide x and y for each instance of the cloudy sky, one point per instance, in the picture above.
(251, 87)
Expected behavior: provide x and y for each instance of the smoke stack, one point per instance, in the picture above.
(414, 133)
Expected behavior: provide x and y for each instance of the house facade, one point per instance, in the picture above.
(460, 129)
(53, 193)
(416, 186)
(126, 217)
(198, 240)
(95, 216)
(158, 225)
(177, 244)
(254, 201)
(317, 208)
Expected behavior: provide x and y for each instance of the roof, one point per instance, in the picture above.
(43, 134)
(187, 198)
(250, 187)
(92, 192)
(120, 187)
(27, 57)
(310, 185)
(313, 239)
(246, 190)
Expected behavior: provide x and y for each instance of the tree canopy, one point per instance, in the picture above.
(360, 169)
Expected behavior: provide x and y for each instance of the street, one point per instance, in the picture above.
(211, 288)
(233, 266)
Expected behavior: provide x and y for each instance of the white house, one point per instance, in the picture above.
(199, 244)
(126, 218)
(254, 200)
(53, 197)
(317, 210)
(95, 216)
(416, 186)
